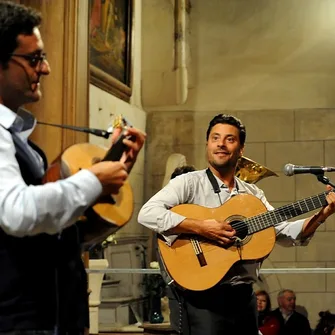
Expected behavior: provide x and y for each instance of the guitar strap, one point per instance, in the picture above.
(213, 181)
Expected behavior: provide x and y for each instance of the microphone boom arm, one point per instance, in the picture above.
(92, 131)
(324, 180)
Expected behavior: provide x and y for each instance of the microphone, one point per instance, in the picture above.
(290, 169)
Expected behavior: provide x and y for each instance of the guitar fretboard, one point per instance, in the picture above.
(286, 212)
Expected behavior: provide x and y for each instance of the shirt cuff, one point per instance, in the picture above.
(169, 239)
(165, 223)
(174, 220)
(88, 183)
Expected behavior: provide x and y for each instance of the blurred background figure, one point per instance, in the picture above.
(268, 324)
(181, 170)
(326, 324)
(174, 161)
(291, 322)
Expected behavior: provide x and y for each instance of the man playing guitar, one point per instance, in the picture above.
(230, 306)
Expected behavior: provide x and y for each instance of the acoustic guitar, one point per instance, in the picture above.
(197, 264)
(110, 212)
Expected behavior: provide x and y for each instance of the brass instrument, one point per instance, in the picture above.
(252, 172)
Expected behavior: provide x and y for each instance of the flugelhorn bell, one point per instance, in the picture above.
(251, 171)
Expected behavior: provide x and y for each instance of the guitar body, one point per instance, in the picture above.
(110, 213)
(180, 258)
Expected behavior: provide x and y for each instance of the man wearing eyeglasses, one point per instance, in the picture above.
(37, 65)
(43, 286)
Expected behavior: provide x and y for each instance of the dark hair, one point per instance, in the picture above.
(181, 170)
(326, 323)
(267, 297)
(228, 119)
(15, 20)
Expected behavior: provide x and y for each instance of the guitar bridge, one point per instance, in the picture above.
(198, 251)
(201, 259)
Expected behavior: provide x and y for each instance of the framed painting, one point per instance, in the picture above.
(110, 32)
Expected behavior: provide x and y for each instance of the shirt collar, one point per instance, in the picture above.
(239, 185)
(23, 122)
(7, 118)
(29, 122)
(222, 185)
(285, 315)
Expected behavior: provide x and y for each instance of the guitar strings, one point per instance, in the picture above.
(196, 246)
(277, 214)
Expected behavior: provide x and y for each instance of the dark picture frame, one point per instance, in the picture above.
(110, 35)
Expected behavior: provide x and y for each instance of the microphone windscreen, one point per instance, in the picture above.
(289, 170)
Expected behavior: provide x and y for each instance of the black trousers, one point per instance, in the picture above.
(223, 310)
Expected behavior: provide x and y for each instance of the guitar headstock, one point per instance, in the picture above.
(119, 121)
(118, 147)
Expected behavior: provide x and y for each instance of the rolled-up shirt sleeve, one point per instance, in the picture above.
(30, 210)
(156, 214)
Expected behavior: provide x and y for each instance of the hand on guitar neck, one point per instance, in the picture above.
(114, 207)
(126, 146)
(311, 224)
(114, 168)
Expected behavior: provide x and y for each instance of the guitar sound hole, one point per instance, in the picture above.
(241, 229)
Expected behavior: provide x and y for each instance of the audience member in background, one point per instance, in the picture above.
(326, 324)
(268, 324)
(181, 170)
(291, 322)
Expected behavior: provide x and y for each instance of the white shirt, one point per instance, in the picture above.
(30, 210)
(195, 188)
(285, 316)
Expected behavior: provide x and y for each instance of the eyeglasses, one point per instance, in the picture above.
(33, 60)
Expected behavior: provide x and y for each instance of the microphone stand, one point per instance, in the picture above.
(92, 131)
(324, 180)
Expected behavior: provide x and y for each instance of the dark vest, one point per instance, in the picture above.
(43, 282)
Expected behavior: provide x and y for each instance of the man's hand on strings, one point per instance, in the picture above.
(219, 231)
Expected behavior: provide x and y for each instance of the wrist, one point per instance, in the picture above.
(319, 219)
(198, 227)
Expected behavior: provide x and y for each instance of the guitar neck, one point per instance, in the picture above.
(115, 152)
(268, 219)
